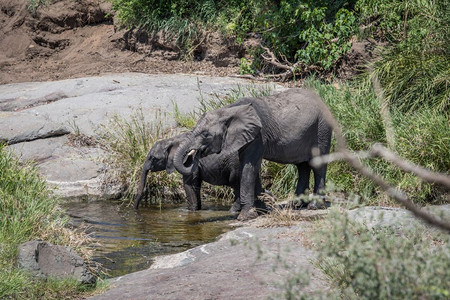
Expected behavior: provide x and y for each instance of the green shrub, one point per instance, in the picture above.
(382, 263)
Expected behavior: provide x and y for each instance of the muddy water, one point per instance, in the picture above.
(129, 239)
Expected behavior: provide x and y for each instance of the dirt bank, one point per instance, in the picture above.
(69, 39)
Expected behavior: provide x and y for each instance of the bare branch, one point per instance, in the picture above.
(424, 174)
(273, 60)
(378, 150)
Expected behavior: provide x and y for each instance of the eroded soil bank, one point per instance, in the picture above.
(69, 39)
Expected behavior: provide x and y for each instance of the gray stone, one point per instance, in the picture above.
(43, 259)
(23, 127)
(73, 172)
(394, 217)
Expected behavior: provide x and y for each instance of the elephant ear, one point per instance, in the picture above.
(243, 126)
(170, 152)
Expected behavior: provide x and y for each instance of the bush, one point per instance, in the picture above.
(313, 32)
(382, 263)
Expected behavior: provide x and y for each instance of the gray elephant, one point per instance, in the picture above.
(216, 169)
(283, 128)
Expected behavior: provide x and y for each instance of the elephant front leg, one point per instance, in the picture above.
(250, 166)
(237, 201)
(192, 186)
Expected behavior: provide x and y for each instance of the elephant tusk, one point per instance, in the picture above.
(188, 155)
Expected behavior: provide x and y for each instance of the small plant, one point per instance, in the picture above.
(246, 67)
(33, 5)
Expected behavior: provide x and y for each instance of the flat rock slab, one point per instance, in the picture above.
(394, 217)
(36, 116)
(26, 126)
(247, 263)
(89, 102)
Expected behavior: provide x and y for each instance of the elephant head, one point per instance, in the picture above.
(225, 129)
(159, 158)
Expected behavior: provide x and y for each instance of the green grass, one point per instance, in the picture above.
(421, 136)
(29, 212)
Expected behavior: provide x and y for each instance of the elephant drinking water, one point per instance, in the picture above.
(216, 169)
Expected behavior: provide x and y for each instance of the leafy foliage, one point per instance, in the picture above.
(415, 67)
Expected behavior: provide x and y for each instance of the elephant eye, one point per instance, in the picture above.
(205, 134)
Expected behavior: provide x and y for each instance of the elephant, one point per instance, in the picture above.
(285, 128)
(216, 169)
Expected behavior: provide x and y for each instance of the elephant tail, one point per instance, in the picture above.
(140, 192)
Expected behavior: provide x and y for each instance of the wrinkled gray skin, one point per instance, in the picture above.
(216, 169)
(283, 128)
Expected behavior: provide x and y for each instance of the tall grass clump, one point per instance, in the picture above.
(383, 262)
(28, 212)
(128, 142)
(421, 137)
(414, 66)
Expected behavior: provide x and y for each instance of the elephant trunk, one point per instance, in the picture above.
(186, 157)
(141, 187)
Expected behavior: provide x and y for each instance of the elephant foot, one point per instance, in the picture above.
(318, 204)
(248, 214)
(261, 206)
(235, 208)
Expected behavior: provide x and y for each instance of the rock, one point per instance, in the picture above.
(44, 260)
(24, 127)
(73, 172)
(393, 217)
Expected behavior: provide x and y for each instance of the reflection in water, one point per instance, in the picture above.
(129, 238)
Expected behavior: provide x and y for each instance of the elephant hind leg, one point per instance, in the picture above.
(304, 171)
(319, 189)
(319, 179)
